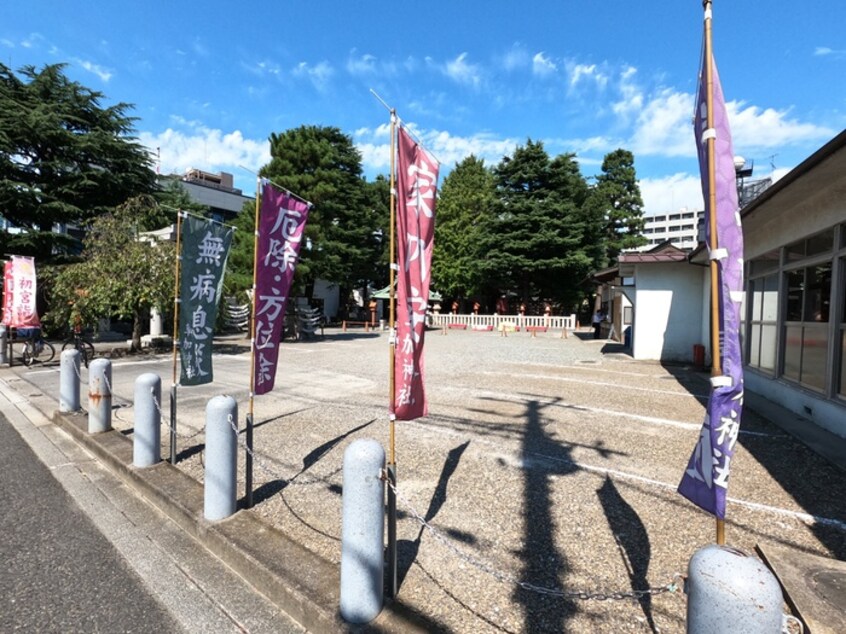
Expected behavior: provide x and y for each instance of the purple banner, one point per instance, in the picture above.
(282, 221)
(705, 481)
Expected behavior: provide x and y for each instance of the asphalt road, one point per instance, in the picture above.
(60, 574)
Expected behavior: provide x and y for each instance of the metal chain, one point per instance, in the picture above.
(166, 421)
(296, 480)
(504, 577)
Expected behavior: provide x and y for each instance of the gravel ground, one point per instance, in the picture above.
(546, 468)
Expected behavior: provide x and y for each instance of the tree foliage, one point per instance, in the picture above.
(466, 201)
(64, 157)
(119, 275)
(616, 200)
(343, 242)
(534, 240)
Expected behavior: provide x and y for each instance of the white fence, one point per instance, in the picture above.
(553, 322)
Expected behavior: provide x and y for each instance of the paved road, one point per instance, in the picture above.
(60, 573)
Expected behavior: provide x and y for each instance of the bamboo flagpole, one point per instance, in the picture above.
(392, 458)
(716, 361)
(248, 468)
(705, 481)
(176, 301)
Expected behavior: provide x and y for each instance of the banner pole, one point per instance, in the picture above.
(249, 457)
(176, 300)
(716, 360)
(392, 458)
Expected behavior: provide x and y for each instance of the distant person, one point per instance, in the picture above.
(598, 318)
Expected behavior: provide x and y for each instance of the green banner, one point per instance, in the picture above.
(205, 248)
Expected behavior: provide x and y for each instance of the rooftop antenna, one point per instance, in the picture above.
(772, 161)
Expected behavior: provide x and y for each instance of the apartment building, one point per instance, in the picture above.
(681, 228)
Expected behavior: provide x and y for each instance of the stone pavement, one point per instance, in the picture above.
(545, 474)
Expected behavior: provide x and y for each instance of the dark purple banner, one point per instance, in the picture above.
(282, 221)
(705, 481)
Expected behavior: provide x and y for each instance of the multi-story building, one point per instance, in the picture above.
(681, 228)
(216, 191)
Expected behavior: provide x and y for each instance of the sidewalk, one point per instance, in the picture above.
(543, 461)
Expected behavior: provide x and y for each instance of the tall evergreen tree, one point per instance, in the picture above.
(616, 196)
(322, 165)
(533, 243)
(465, 204)
(64, 157)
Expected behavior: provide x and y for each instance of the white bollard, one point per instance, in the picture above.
(69, 381)
(362, 532)
(147, 437)
(730, 591)
(99, 396)
(219, 486)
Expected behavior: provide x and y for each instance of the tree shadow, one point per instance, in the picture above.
(632, 540)
(543, 564)
(407, 550)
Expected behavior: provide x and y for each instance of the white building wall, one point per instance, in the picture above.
(330, 294)
(668, 311)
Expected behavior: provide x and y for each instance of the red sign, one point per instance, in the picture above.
(418, 182)
(19, 293)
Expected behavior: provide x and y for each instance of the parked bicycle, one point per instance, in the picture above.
(35, 347)
(79, 341)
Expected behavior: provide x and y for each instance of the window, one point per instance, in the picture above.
(675, 217)
(674, 228)
(659, 218)
(687, 227)
(806, 332)
(763, 323)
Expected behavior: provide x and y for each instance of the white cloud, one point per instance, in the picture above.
(516, 58)
(319, 74)
(756, 128)
(825, 51)
(32, 40)
(7, 43)
(664, 125)
(206, 148)
(462, 72)
(364, 64)
(632, 96)
(578, 72)
(671, 193)
(543, 66)
(104, 74)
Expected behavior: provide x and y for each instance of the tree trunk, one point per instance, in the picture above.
(137, 320)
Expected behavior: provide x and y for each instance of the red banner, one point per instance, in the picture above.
(416, 195)
(19, 293)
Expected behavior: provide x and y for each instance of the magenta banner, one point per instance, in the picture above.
(705, 481)
(282, 221)
(416, 195)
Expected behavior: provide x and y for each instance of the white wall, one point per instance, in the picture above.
(668, 313)
(329, 293)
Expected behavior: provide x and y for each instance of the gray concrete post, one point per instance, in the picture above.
(730, 591)
(69, 381)
(362, 532)
(219, 487)
(147, 438)
(99, 396)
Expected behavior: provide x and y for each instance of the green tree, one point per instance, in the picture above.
(534, 240)
(465, 204)
(119, 275)
(171, 197)
(64, 158)
(343, 243)
(239, 267)
(616, 199)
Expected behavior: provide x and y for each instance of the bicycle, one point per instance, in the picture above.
(77, 341)
(37, 349)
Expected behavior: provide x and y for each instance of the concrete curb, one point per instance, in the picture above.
(301, 583)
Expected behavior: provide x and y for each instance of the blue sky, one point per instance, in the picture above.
(211, 80)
